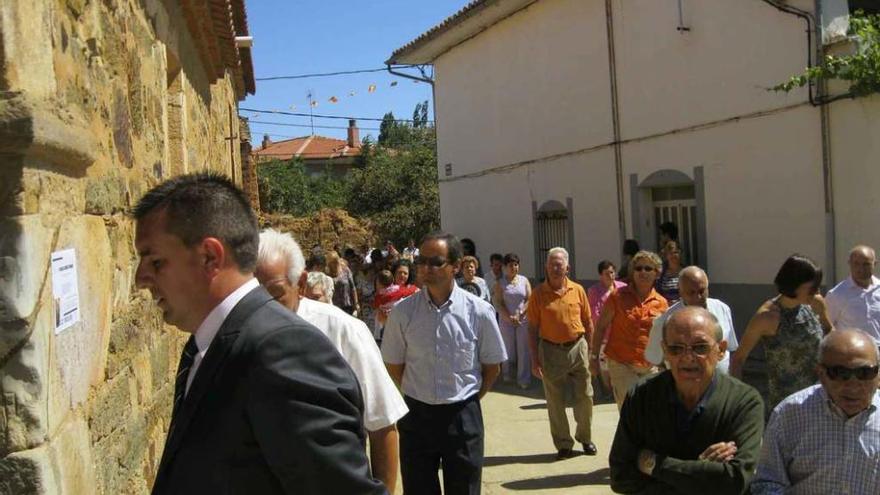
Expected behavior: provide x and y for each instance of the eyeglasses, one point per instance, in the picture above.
(842, 373)
(644, 268)
(701, 350)
(432, 261)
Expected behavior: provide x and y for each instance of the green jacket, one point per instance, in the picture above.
(733, 411)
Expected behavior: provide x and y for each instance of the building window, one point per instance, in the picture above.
(551, 230)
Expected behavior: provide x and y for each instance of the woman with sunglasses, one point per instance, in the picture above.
(790, 325)
(628, 314)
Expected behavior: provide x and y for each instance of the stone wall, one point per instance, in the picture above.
(99, 101)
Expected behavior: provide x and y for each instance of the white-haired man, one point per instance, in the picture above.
(855, 302)
(560, 326)
(693, 286)
(281, 269)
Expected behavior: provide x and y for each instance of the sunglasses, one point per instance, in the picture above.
(432, 261)
(644, 268)
(842, 373)
(701, 350)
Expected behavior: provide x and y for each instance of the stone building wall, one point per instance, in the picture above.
(99, 101)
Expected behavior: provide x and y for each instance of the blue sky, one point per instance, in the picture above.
(293, 37)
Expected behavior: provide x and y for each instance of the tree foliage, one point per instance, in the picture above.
(861, 69)
(286, 187)
(394, 185)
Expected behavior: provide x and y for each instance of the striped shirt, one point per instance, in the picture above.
(811, 447)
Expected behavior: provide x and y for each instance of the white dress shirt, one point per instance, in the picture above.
(211, 325)
(383, 404)
(721, 311)
(851, 306)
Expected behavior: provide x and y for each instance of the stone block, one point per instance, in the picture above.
(71, 454)
(23, 390)
(121, 456)
(105, 195)
(79, 353)
(111, 407)
(28, 472)
(24, 260)
(38, 130)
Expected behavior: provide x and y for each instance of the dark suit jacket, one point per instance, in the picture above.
(273, 408)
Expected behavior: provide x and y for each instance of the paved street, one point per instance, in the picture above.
(520, 457)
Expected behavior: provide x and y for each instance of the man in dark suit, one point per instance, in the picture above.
(263, 402)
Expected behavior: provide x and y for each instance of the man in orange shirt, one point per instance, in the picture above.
(560, 327)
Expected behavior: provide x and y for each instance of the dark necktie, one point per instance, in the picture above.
(186, 362)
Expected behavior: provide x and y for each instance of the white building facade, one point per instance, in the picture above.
(586, 122)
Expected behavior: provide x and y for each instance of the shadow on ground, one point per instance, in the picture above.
(502, 460)
(599, 477)
(536, 391)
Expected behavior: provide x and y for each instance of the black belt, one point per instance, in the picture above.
(564, 344)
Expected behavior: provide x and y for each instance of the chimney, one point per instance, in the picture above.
(354, 139)
(267, 141)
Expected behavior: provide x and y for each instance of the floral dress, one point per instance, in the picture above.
(791, 353)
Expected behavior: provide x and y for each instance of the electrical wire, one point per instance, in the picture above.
(329, 74)
(319, 116)
(310, 126)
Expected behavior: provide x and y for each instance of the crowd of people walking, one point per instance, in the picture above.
(294, 362)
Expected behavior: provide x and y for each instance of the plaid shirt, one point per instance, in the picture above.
(811, 447)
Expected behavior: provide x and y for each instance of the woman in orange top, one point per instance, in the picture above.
(628, 315)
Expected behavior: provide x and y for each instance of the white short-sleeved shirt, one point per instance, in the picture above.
(721, 311)
(383, 404)
(850, 306)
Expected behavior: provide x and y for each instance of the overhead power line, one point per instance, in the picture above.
(307, 125)
(317, 116)
(329, 74)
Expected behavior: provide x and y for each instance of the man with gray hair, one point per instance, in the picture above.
(693, 287)
(560, 327)
(688, 430)
(281, 270)
(826, 438)
(855, 302)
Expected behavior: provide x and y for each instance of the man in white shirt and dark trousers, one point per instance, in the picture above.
(855, 302)
(281, 269)
(443, 347)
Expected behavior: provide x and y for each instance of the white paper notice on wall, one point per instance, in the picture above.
(65, 289)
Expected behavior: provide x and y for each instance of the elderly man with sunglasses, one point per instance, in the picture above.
(826, 438)
(688, 430)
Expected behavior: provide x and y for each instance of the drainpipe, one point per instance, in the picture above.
(821, 100)
(615, 120)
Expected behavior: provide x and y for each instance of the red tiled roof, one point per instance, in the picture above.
(308, 148)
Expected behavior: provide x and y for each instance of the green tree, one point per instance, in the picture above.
(861, 69)
(286, 187)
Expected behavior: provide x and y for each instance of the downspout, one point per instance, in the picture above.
(821, 100)
(430, 81)
(615, 120)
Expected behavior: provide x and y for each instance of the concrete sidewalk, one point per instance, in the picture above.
(520, 457)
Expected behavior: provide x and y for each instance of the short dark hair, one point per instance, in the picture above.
(670, 229)
(604, 265)
(510, 258)
(206, 204)
(796, 271)
(468, 247)
(453, 245)
(496, 256)
(315, 261)
(631, 247)
(407, 263)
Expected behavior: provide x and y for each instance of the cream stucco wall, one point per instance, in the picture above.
(524, 114)
(855, 151)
